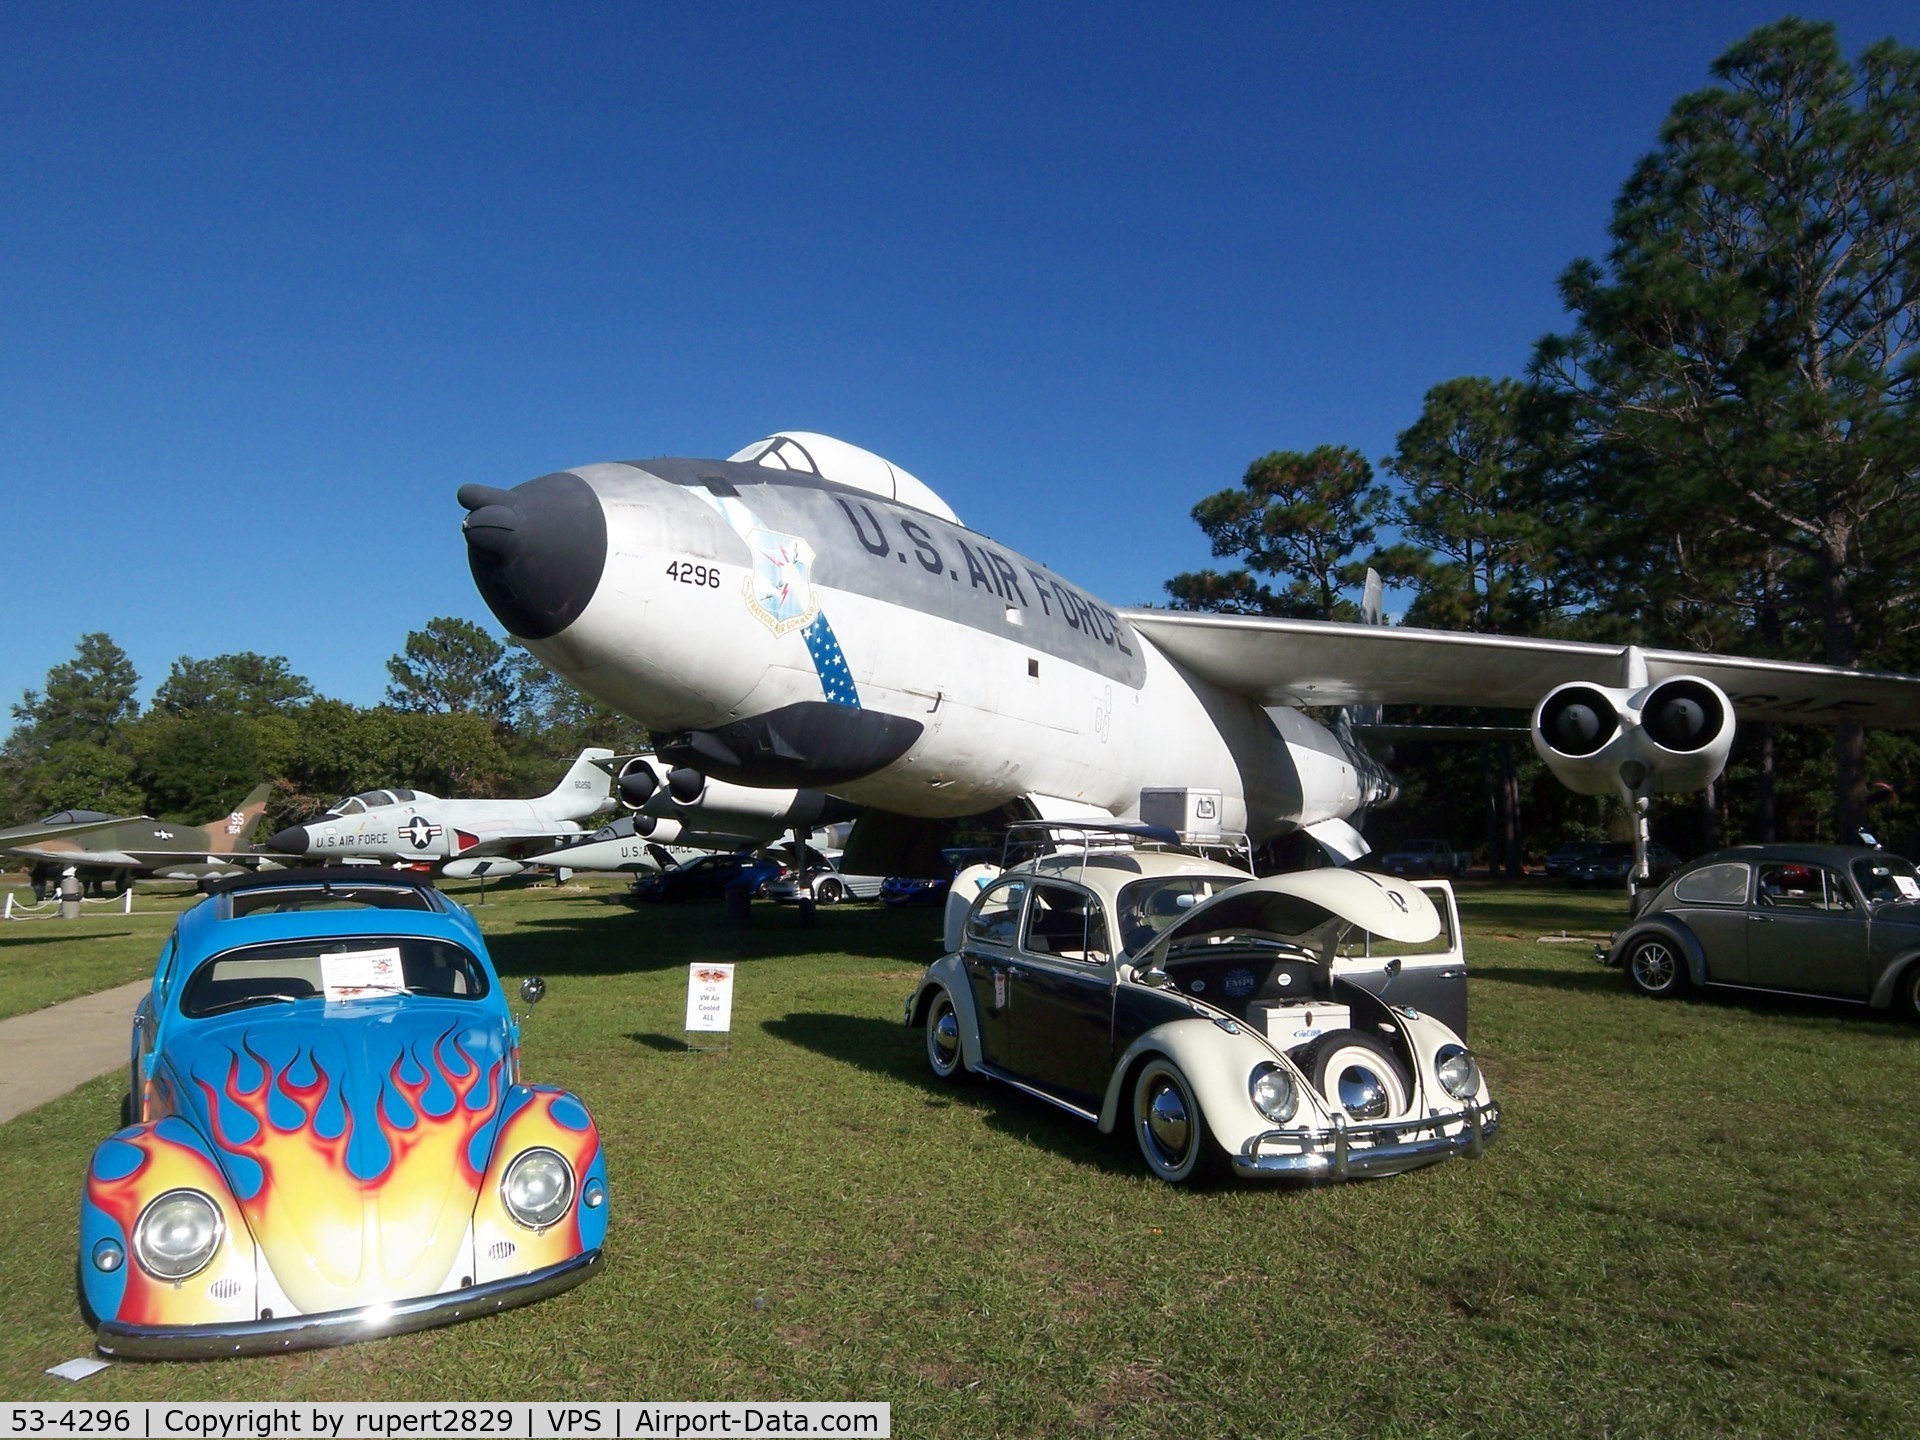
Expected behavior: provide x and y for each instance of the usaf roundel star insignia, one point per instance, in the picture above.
(420, 831)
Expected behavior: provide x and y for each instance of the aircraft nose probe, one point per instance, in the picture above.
(536, 551)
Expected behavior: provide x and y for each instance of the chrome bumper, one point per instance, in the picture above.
(1382, 1147)
(338, 1327)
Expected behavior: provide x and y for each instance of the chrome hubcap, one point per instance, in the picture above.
(945, 1037)
(1167, 1121)
(1362, 1093)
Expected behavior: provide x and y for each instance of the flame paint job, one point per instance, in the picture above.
(354, 1149)
(127, 1174)
(539, 1115)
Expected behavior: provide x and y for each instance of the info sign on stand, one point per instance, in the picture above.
(709, 1000)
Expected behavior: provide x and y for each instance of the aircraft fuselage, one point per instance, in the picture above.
(778, 629)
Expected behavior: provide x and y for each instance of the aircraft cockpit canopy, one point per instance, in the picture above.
(373, 799)
(836, 460)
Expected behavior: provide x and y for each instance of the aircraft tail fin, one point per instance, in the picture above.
(230, 835)
(587, 786)
(1372, 612)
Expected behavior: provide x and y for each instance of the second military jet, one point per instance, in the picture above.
(115, 850)
(455, 837)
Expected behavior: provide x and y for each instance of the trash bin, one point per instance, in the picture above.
(737, 898)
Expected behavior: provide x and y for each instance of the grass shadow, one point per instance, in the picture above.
(890, 1049)
(1595, 979)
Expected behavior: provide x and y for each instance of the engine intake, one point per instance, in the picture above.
(636, 782)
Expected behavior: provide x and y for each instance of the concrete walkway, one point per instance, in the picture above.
(45, 1054)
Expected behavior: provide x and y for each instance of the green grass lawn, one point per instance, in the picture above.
(1699, 1218)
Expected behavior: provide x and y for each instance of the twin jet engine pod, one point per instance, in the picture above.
(1599, 741)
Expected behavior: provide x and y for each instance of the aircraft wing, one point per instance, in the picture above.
(1327, 662)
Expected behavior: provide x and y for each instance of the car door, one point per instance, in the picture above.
(1806, 931)
(1428, 975)
(987, 950)
(1062, 987)
(1712, 903)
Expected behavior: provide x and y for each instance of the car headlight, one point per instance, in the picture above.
(538, 1188)
(1459, 1075)
(1274, 1093)
(177, 1234)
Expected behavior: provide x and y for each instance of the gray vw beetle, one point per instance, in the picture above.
(1838, 921)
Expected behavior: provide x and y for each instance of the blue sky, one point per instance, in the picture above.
(276, 279)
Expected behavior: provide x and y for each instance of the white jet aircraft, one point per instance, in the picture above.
(681, 813)
(455, 837)
(806, 614)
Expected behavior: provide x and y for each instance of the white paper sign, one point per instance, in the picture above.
(1903, 883)
(709, 997)
(362, 974)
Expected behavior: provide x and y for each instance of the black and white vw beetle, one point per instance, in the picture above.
(1289, 1027)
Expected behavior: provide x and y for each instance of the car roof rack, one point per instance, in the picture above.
(1030, 839)
(345, 876)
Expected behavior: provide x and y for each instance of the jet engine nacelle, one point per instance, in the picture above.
(1601, 741)
(636, 782)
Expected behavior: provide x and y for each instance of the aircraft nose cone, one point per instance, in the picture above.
(290, 841)
(536, 551)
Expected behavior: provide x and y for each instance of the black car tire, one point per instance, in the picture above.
(1328, 1060)
(1909, 991)
(944, 1055)
(830, 892)
(1169, 1127)
(1656, 967)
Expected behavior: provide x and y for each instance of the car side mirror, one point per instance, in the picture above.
(532, 990)
(1150, 974)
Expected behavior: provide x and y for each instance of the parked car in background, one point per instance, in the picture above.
(1837, 921)
(1570, 853)
(708, 877)
(1426, 857)
(826, 882)
(914, 890)
(1614, 860)
(328, 1137)
(1229, 1024)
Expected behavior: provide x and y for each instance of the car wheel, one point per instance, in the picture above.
(943, 1038)
(1655, 967)
(1167, 1124)
(1357, 1073)
(1910, 990)
(829, 892)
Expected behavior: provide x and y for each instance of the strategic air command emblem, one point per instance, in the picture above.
(779, 591)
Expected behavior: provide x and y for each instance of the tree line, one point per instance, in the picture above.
(463, 715)
(1721, 452)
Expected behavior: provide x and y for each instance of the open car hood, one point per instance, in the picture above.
(1291, 907)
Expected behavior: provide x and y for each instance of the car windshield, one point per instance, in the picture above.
(1148, 907)
(1886, 877)
(338, 970)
